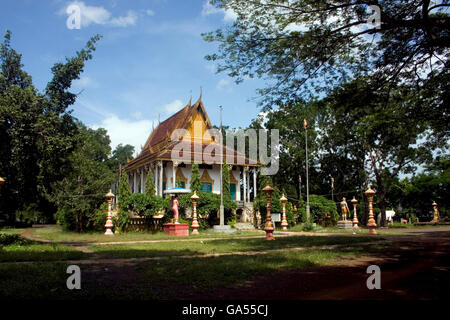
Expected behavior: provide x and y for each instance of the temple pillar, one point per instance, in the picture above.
(174, 167)
(238, 187)
(247, 171)
(244, 176)
(160, 165)
(142, 181)
(135, 181)
(254, 183)
(156, 180)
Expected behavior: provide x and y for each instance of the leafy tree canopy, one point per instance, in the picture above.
(307, 46)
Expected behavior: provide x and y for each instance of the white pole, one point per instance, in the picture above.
(222, 215)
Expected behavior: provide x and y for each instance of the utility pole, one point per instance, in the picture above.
(300, 187)
(222, 216)
(332, 189)
(305, 125)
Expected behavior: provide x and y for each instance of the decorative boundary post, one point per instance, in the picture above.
(371, 223)
(269, 225)
(195, 224)
(355, 216)
(109, 196)
(284, 223)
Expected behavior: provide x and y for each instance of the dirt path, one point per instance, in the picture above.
(414, 268)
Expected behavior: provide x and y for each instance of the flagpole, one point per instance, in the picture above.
(222, 217)
(305, 124)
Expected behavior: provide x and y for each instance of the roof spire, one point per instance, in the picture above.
(201, 93)
(190, 99)
(159, 121)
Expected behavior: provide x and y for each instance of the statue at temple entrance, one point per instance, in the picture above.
(175, 208)
(344, 209)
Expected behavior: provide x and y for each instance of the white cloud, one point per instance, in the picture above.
(208, 9)
(150, 12)
(125, 131)
(224, 85)
(100, 15)
(129, 19)
(173, 107)
(85, 82)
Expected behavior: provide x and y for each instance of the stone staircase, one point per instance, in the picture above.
(244, 226)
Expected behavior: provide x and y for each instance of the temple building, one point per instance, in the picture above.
(169, 172)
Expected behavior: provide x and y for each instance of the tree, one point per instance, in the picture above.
(308, 46)
(150, 183)
(226, 180)
(83, 190)
(124, 194)
(387, 128)
(38, 133)
(195, 178)
(120, 155)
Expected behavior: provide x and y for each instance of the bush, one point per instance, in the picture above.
(322, 210)
(145, 205)
(30, 214)
(97, 220)
(9, 239)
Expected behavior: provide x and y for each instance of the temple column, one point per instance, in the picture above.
(238, 187)
(254, 183)
(156, 179)
(134, 181)
(174, 167)
(160, 165)
(247, 172)
(142, 181)
(244, 176)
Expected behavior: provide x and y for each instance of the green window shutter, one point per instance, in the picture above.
(206, 187)
(233, 191)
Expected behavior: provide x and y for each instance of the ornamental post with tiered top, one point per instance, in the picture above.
(109, 225)
(371, 223)
(355, 216)
(268, 190)
(284, 223)
(195, 224)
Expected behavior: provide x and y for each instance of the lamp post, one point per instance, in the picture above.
(268, 190)
(371, 223)
(109, 196)
(355, 217)
(436, 212)
(195, 224)
(284, 223)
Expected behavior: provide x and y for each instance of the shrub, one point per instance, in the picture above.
(9, 239)
(145, 205)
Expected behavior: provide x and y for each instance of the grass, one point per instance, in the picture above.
(38, 252)
(58, 234)
(219, 246)
(7, 230)
(163, 279)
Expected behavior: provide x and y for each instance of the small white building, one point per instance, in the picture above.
(157, 155)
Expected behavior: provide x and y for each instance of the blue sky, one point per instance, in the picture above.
(150, 58)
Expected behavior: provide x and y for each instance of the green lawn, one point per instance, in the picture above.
(173, 248)
(58, 234)
(32, 251)
(163, 279)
